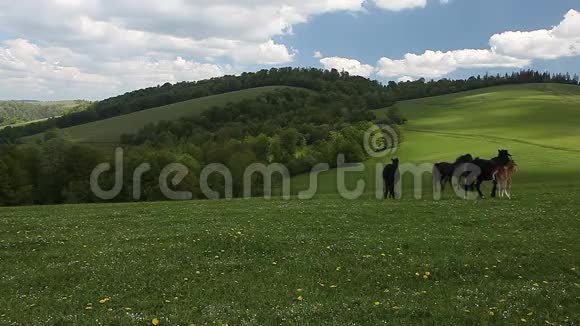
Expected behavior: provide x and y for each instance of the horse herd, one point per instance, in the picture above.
(470, 173)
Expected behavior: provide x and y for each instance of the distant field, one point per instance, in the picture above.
(111, 130)
(19, 113)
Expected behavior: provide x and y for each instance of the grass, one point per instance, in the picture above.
(111, 130)
(242, 262)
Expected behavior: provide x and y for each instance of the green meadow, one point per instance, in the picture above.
(329, 260)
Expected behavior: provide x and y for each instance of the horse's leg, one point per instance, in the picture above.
(494, 189)
(478, 186)
(385, 188)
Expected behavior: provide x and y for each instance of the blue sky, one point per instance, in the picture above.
(460, 24)
(99, 48)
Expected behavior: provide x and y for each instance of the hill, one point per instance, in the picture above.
(536, 122)
(18, 113)
(373, 93)
(110, 130)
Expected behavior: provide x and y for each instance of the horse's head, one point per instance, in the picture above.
(464, 159)
(395, 161)
(504, 154)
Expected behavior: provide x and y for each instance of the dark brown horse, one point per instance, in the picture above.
(480, 170)
(443, 172)
(391, 177)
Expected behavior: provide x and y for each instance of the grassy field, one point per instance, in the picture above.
(110, 130)
(249, 262)
(328, 261)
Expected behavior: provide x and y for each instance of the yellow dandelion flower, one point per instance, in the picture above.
(377, 303)
(425, 276)
(274, 263)
(338, 268)
(530, 313)
(428, 273)
(128, 308)
(155, 321)
(491, 313)
(333, 286)
(536, 284)
(523, 320)
(104, 300)
(299, 290)
(300, 298)
(417, 274)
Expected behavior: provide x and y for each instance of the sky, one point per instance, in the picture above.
(94, 49)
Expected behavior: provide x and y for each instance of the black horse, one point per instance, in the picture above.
(443, 171)
(391, 176)
(481, 170)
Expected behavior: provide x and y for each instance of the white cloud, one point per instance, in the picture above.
(134, 43)
(405, 79)
(560, 41)
(29, 71)
(317, 54)
(398, 5)
(432, 64)
(352, 66)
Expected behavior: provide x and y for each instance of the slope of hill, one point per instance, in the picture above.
(21, 112)
(110, 130)
(536, 122)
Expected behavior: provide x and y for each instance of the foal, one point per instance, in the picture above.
(503, 176)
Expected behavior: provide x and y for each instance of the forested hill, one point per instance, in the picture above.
(12, 112)
(372, 94)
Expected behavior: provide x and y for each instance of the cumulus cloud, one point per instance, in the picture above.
(561, 41)
(352, 66)
(507, 50)
(317, 54)
(130, 42)
(432, 64)
(398, 5)
(31, 71)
